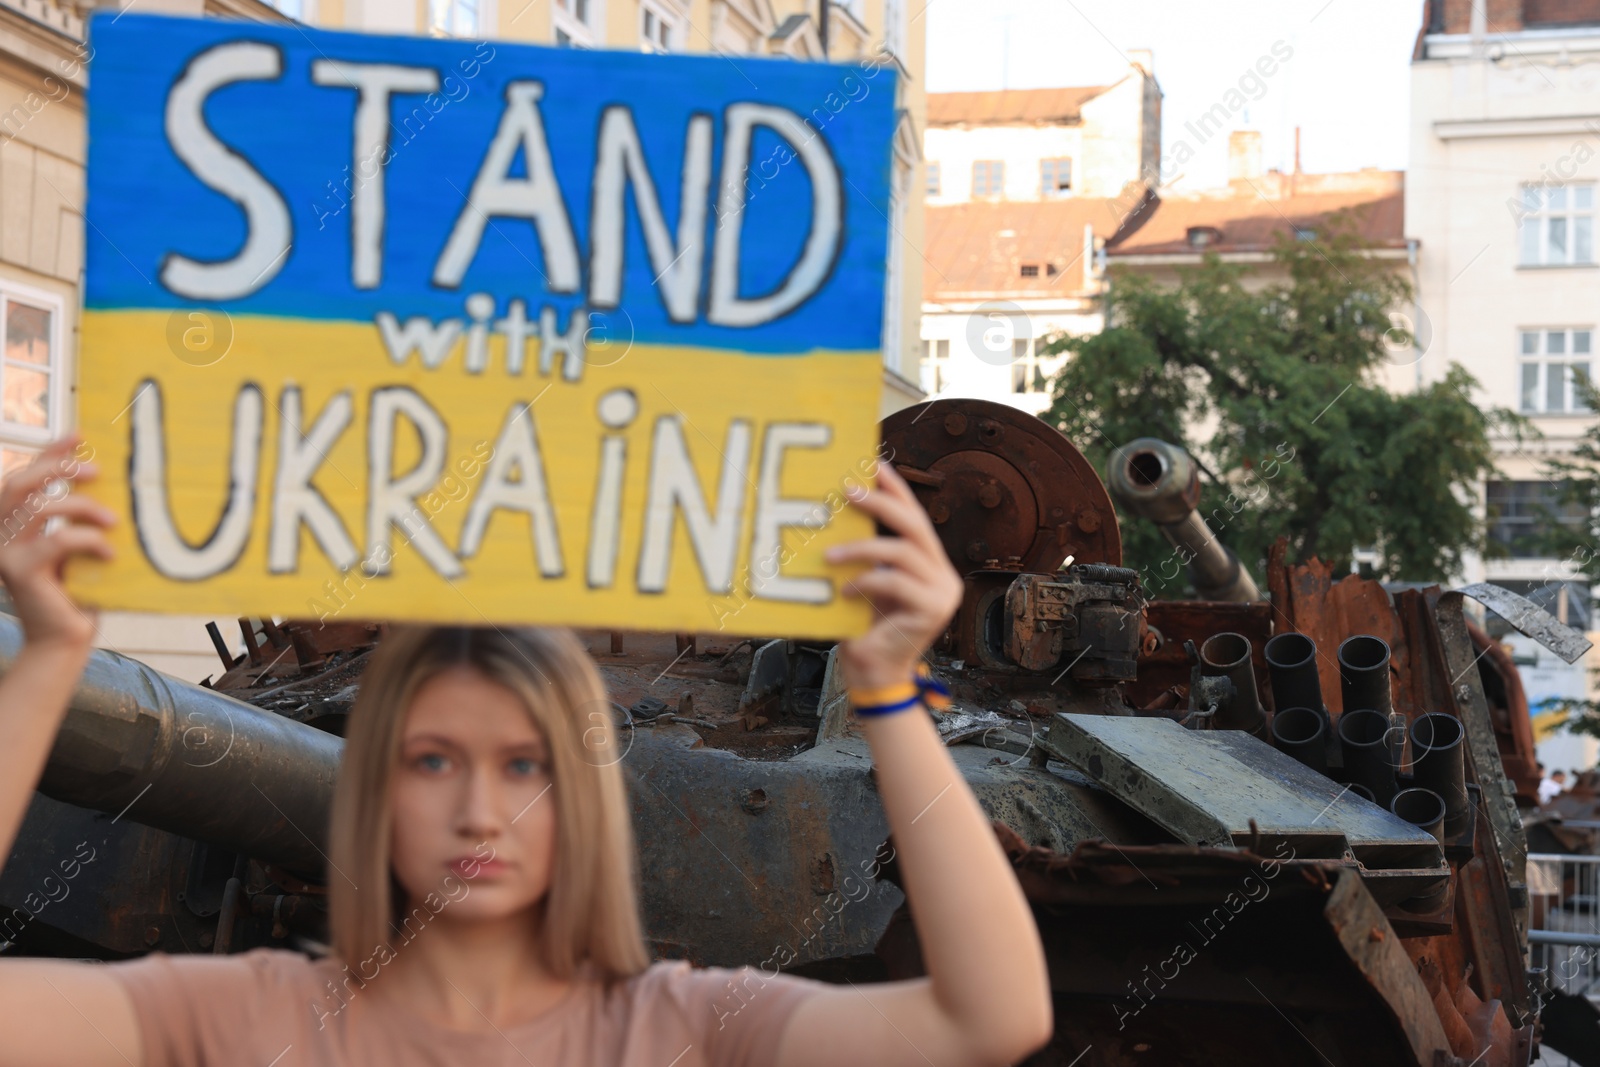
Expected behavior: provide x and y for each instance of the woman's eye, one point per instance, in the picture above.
(431, 761)
(524, 767)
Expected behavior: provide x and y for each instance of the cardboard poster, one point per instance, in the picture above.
(389, 327)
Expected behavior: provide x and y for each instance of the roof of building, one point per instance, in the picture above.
(1011, 107)
(1256, 213)
(977, 250)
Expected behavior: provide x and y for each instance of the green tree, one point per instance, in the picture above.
(1274, 388)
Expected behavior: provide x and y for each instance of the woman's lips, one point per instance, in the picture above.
(472, 867)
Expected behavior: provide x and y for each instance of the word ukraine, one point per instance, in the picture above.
(668, 368)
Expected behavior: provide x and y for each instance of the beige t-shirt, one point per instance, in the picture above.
(275, 1008)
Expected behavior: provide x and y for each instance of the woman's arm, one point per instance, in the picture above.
(986, 999)
(50, 1012)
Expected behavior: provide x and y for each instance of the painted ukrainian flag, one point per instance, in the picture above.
(382, 327)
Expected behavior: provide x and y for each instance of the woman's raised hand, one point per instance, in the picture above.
(32, 559)
(912, 587)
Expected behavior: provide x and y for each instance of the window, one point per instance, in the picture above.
(932, 186)
(1030, 270)
(31, 401)
(453, 18)
(658, 29)
(1522, 515)
(1556, 225)
(295, 9)
(1202, 236)
(1548, 361)
(935, 366)
(1055, 177)
(572, 22)
(988, 177)
(1305, 233)
(1030, 370)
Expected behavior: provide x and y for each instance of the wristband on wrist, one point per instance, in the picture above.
(923, 688)
(884, 700)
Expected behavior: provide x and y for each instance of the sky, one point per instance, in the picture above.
(1346, 82)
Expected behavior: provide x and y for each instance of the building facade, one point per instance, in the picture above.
(44, 64)
(1024, 189)
(1505, 163)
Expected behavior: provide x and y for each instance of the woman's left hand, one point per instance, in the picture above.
(912, 586)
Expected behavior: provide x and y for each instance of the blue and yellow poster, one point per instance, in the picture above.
(384, 327)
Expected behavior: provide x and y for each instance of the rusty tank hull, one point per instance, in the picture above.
(1206, 895)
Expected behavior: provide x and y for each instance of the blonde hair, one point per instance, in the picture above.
(590, 916)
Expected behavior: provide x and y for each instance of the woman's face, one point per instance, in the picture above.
(474, 819)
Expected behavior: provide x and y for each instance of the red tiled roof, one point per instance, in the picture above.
(978, 249)
(1252, 222)
(1011, 107)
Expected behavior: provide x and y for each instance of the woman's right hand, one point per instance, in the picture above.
(31, 560)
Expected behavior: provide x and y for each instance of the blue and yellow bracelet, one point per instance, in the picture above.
(922, 688)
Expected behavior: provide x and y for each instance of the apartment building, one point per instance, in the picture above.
(1024, 189)
(44, 72)
(1501, 196)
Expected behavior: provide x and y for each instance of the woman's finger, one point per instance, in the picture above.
(890, 551)
(50, 552)
(73, 508)
(54, 463)
(892, 589)
(901, 515)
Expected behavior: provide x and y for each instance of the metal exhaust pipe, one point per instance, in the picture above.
(1292, 661)
(1437, 765)
(1363, 737)
(1421, 808)
(1364, 682)
(1364, 674)
(1229, 654)
(1302, 733)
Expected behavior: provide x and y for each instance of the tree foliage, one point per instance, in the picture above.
(1274, 386)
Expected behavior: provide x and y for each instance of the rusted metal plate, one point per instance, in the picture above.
(1225, 787)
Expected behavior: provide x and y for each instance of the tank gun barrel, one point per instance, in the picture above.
(1160, 482)
(189, 760)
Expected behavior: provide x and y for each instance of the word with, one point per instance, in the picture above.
(765, 568)
(452, 490)
(412, 925)
(374, 150)
(1183, 953)
(33, 903)
(673, 486)
(432, 343)
(496, 192)
(760, 976)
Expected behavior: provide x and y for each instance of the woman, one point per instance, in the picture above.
(482, 902)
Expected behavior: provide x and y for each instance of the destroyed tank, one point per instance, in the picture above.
(1252, 832)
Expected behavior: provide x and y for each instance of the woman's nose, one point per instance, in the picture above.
(479, 813)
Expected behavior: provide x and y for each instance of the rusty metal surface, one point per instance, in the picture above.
(760, 831)
(1195, 957)
(1000, 484)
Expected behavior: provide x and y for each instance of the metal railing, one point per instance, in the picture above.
(1564, 921)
